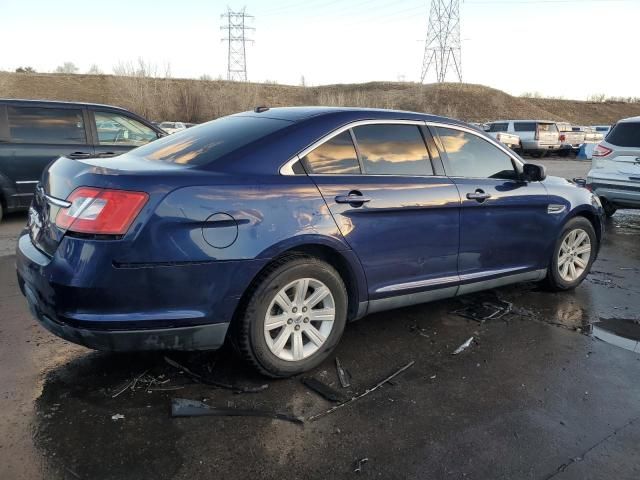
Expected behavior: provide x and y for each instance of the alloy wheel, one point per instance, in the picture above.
(574, 255)
(299, 319)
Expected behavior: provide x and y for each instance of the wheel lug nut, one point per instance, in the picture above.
(290, 321)
(306, 320)
(304, 309)
(294, 310)
(297, 327)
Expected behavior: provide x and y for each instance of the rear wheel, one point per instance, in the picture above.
(294, 317)
(573, 255)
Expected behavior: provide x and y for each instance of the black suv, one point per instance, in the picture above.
(35, 132)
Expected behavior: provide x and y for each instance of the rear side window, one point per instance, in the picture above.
(471, 156)
(336, 156)
(498, 127)
(46, 125)
(393, 150)
(625, 134)
(524, 126)
(208, 142)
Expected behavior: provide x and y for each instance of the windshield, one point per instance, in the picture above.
(206, 143)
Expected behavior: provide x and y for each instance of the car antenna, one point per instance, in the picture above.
(260, 109)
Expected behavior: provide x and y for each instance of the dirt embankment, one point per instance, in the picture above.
(198, 100)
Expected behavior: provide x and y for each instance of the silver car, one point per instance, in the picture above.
(536, 136)
(615, 168)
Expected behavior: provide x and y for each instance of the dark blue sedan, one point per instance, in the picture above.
(273, 228)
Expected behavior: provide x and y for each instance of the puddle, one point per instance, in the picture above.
(621, 332)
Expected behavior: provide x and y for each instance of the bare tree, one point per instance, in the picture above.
(67, 67)
(94, 70)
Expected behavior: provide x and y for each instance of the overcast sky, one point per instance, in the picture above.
(570, 48)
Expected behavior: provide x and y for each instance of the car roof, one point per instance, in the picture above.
(297, 114)
(42, 103)
(629, 120)
(527, 120)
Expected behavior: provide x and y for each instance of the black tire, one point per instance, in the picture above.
(563, 153)
(608, 207)
(249, 336)
(554, 280)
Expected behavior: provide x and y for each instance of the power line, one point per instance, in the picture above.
(236, 39)
(442, 49)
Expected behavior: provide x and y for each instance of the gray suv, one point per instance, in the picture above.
(615, 168)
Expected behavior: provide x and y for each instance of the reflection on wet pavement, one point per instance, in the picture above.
(621, 332)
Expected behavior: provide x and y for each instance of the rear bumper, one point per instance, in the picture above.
(622, 195)
(105, 307)
(537, 145)
(199, 337)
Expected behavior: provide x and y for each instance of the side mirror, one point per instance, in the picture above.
(533, 173)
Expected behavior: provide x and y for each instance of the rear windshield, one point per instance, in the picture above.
(547, 127)
(626, 134)
(206, 143)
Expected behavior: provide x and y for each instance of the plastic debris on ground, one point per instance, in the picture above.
(117, 416)
(315, 417)
(485, 307)
(181, 407)
(463, 347)
(343, 375)
(322, 389)
(359, 463)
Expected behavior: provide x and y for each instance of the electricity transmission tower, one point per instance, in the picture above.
(442, 46)
(236, 39)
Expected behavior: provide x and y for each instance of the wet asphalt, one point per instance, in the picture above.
(533, 396)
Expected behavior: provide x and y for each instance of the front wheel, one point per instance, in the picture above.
(573, 255)
(294, 317)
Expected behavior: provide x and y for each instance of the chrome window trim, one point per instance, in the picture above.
(22, 182)
(56, 201)
(287, 167)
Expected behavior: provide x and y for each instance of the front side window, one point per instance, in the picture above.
(336, 156)
(46, 125)
(115, 129)
(393, 150)
(474, 157)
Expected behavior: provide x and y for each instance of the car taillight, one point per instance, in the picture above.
(498, 136)
(601, 151)
(101, 211)
(563, 137)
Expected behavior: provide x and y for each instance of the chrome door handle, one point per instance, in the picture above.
(353, 199)
(479, 195)
(79, 155)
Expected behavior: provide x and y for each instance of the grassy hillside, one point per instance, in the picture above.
(198, 100)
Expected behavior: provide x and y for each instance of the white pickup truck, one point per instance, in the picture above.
(570, 139)
(591, 135)
(499, 132)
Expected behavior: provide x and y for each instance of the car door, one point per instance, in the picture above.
(37, 136)
(397, 215)
(116, 133)
(505, 227)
